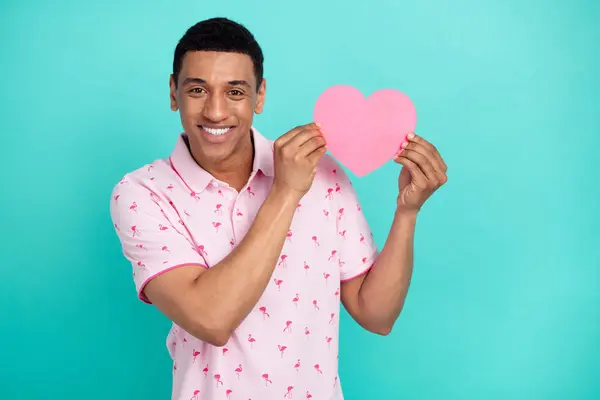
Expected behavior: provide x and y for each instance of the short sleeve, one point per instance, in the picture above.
(150, 240)
(356, 246)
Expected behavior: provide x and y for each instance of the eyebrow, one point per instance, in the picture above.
(201, 81)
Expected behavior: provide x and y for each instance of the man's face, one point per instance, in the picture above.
(217, 98)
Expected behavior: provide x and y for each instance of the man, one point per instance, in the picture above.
(249, 245)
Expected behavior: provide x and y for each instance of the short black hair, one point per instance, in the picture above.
(219, 34)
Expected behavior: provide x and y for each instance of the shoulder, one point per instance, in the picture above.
(146, 176)
(139, 185)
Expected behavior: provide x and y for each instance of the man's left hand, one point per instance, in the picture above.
(423, 172)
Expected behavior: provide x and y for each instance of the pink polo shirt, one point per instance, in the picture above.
(172, 212)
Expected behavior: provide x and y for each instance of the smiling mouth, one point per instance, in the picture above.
(216, 131)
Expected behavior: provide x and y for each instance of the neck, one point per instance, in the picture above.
(234, 170)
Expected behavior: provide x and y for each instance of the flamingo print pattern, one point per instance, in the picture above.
(173, 213)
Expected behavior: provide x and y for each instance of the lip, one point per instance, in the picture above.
(217, 126)
(216, 138)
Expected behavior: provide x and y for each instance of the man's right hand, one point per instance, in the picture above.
(296, 155)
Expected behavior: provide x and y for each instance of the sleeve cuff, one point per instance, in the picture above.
(141, 294)
(349, 277)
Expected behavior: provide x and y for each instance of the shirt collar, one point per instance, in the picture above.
(197, 178)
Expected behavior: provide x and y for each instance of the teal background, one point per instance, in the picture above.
(504, 302)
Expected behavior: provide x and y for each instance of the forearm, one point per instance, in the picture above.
(384, 289)
(232, 287)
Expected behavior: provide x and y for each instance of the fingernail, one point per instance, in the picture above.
(318, 124)
(404, 145)
(411, 135)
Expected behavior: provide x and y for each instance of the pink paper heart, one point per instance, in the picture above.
(363, 134)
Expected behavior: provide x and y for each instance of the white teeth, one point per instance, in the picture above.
(216, 132)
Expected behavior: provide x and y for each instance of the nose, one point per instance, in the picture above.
(215, 108)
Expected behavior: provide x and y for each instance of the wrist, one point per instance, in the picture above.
(407, 213)
(285, 197)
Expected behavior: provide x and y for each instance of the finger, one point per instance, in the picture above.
(311, 145)
(423, 163)
(305, 136)
(419, 140)
(426, 152)
(417, 176)
(316, 155)
(286, 137)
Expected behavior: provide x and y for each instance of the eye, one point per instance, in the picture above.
(236, 92)
(196, 90)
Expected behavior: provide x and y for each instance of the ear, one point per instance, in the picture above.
(260, 97)
(173, 93)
